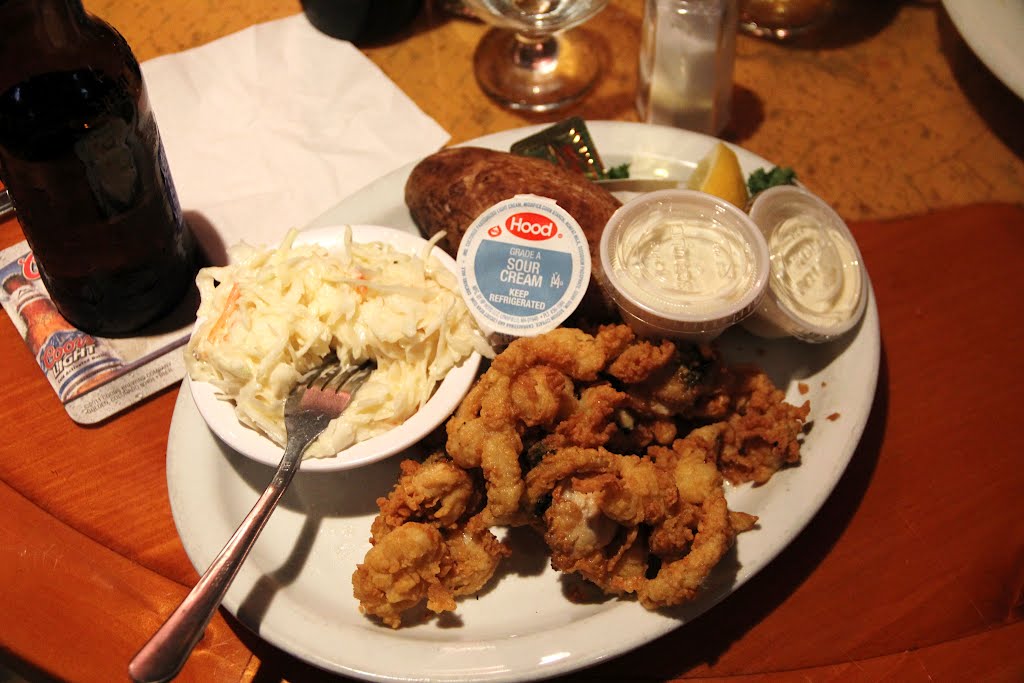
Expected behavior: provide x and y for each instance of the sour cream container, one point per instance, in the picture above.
(523, 268)
(682, 264)
(817, 290)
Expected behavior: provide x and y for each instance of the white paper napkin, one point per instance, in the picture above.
(267, 128)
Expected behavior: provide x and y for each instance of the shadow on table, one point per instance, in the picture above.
(746, 115)
(367, 24)
(13, 671)
(999, 106)
(276, 665)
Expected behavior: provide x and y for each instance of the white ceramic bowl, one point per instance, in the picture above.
(219, 413)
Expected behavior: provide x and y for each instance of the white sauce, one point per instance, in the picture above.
(684, 265)
(815, 271)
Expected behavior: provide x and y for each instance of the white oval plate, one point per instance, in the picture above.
(219, 413)
(993, 30)
(295, 588)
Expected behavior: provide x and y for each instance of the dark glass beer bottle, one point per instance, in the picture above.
(81, 156)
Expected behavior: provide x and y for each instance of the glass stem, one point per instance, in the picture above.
(536, 53)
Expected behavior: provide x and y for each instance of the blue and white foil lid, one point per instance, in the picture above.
(523, 267)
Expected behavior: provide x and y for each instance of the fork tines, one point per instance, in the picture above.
(330, 389)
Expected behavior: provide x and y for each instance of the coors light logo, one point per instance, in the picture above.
(29, 268)
(531, 226)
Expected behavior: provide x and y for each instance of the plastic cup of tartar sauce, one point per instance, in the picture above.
(682, 264)
(817, 290)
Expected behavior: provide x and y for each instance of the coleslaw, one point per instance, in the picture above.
(272, 315)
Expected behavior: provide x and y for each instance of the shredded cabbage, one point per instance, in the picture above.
(275, 314)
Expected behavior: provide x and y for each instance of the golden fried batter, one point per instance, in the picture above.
(541, 395)
(486, 430)
(763, 432)
(436, 490)
(603, 504)
(638, 362)
(485, 434)
(400, 571)
(474, 558)
(591, 424)
(421, 549)
(703, 518)
(615, 449)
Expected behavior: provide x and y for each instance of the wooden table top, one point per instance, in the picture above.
(914, 568)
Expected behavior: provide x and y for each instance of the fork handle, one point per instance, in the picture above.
(162, 657)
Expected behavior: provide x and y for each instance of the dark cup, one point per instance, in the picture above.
(361, 21)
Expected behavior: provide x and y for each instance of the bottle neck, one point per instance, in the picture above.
(61, 21)
(47, 23)
(38, 31)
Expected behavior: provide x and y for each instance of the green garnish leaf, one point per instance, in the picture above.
(615, 172)
(761, 180)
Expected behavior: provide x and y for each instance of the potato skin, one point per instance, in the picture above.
(449, 189)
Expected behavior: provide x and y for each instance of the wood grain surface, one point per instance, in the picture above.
(914, 568)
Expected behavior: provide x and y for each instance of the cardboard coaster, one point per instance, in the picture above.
(93, 377)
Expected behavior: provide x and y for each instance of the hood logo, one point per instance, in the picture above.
(531, 226)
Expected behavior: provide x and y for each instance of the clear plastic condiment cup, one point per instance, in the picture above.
(817, 290)
(682, 264)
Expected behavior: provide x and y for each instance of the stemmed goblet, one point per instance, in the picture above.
(531, 59)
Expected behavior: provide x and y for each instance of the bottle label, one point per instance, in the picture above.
(72, 360)
(168, 183)
(107, 157)
(524, 266)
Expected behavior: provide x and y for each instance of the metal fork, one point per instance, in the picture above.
(319, 398)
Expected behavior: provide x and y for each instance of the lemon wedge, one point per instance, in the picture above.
(719, 173)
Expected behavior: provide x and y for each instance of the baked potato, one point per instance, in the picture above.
(449, 189)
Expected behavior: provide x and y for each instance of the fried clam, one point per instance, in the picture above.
(763, 430)
(529, 385)
(400, 571)
(575, 389)
(654, 526)
(692, 541)
(592, 503)
(646, 394)
(435, 491)
(615, 448)
(421, 549)
(692, 387)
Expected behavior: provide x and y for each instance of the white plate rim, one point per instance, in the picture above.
(220, 416)
(993, 33)
(369, 650)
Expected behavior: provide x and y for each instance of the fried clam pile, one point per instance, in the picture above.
(614, 448)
